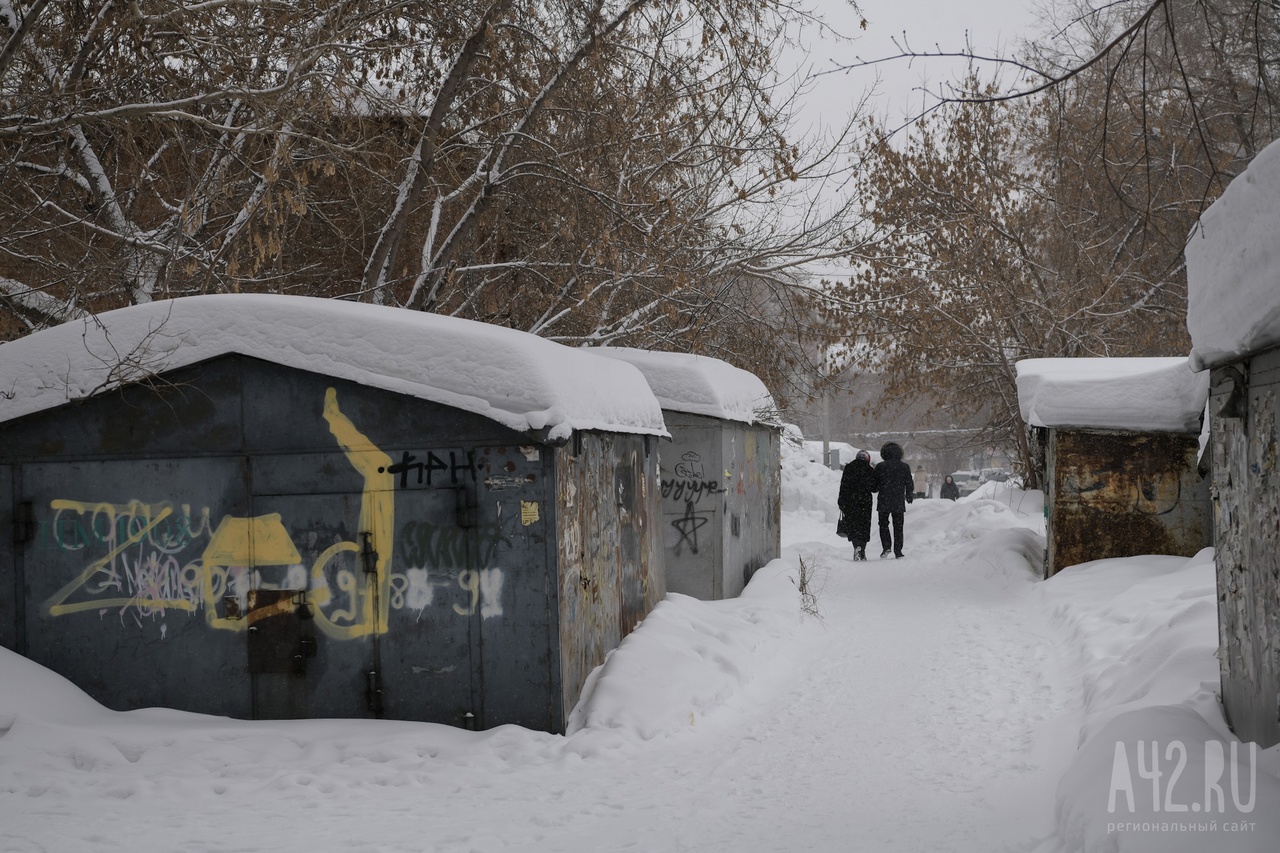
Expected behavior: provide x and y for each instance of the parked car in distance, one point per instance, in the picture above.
(966, 481)
(1000, 475)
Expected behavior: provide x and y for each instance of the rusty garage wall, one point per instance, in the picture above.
(1120, 494)
(752, 527)
(721, 503)
(256, 541)
(611, 565)
(1246, 486)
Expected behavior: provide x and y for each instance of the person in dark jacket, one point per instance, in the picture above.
(950, 491)
(857, 484)
(896, 491)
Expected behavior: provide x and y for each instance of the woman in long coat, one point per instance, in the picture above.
(950, 491)
(857, 484)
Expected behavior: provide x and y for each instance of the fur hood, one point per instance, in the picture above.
(891, 450)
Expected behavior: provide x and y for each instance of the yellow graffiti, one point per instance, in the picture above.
(237, 546)
(259, 541)
(528, 512)
(57, 603)
(470, 581)
(377, 517)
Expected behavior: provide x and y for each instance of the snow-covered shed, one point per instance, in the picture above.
(721, 471)
(268, 506)
(1233, 315)
(1119, 439)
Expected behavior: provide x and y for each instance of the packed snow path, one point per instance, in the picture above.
(914, 719)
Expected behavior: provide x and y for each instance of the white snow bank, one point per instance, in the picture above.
(698, 384)
(942, 524)
(689, 658)
(1144, 634)
(808, 486)
(1233, 268)
(1142, 394)
(813, 452)
(519, 380)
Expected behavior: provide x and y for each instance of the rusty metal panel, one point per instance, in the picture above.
(280, 635)
(643, 567)
(611, 570)
(1120, 494)
(516, 579)
(1246, 490)
(752, 531)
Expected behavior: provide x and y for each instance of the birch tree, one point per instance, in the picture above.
(616, 171)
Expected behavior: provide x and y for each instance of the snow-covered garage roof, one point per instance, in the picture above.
(515, 378)
(1233, 268)
(1140, 394)
(698, 384)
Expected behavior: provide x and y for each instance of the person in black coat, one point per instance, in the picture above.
(857, 484)
(896, 491)
(950, 491)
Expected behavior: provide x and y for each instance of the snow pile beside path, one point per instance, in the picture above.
(1008, 492)
(808, 486)
(1014, 552)
(30, 690)
(813, 450)
(57, 743)
(689, 658)
(939, 524)
(1144, 632)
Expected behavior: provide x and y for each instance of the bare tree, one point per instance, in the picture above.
(1049, 219)
(985, 250)
(618, 171)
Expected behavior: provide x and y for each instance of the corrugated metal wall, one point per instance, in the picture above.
(1246, 485)
(250, 540)
(1120, 494)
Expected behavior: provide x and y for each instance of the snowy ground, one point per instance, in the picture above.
(949, 701)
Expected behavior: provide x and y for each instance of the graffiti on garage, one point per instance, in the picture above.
(149, 557)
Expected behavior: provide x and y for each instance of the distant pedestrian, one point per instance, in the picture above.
(921, 481)
(857, 484)
(895, 493)
(950, 491)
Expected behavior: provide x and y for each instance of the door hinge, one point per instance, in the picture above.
(375, 692)
(368, 556)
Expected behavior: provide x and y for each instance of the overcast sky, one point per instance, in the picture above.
(990, 25)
